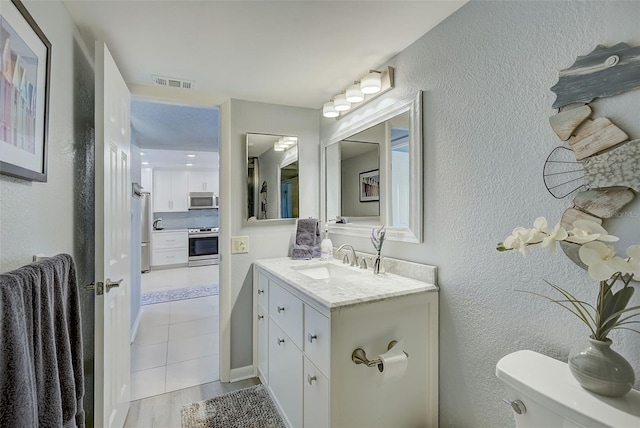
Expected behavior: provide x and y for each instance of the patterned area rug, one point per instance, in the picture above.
(250, 407)
(178, 294)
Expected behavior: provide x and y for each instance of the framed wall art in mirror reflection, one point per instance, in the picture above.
(25, 63)
(370, 186)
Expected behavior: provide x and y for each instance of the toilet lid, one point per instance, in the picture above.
(551, 383)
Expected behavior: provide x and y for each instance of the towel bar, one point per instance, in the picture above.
(358, 356)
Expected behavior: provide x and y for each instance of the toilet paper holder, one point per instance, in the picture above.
(358, 356)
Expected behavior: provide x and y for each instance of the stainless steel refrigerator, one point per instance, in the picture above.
(145, 229)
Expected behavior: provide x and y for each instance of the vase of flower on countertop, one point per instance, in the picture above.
(377, 239)
(596, 367)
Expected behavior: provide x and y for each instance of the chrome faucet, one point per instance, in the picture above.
(354, 257)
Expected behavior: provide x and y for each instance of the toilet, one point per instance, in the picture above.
(542, 393)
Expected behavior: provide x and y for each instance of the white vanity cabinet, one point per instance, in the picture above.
(308, 365)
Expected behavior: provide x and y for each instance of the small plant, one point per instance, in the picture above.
(611, 311)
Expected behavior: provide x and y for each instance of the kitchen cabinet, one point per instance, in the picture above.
(169, 247)
(311, 331)
(203, 181)
(146, 179)
(170, 191)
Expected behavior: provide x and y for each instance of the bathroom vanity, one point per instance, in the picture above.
(310, 317)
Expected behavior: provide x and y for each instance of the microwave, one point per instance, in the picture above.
(202, 200)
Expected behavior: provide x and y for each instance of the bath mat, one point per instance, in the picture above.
(248, 407)
(178, 294)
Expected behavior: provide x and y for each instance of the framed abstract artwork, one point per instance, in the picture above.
(369, 186)
(25, 67)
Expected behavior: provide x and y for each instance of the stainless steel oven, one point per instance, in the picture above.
(203, 246)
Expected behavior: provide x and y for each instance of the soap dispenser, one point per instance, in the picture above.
(326, 246)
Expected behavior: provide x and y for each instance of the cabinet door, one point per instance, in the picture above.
(285, 374)
(210, 181)
(146, 179)
(196, 181)
(263, 345)
(317, 338)
(180, 191)
(161, 191)
(316, 397)
(263, 292)
(286, 310)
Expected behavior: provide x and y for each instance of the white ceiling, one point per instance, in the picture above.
(297, 53)
(179, 159)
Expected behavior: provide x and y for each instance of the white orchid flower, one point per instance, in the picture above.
(520, 239)
(601, 259)
(633, 264)
(587, 231)
(539, 226)
(558, 233)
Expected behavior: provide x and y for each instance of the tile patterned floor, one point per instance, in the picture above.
(176, 345)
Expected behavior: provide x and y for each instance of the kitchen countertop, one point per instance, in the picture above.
(361, 287)
(169, 230)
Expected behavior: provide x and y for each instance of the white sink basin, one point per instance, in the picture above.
(324, 271)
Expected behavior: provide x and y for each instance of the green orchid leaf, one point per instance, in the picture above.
(614, 307)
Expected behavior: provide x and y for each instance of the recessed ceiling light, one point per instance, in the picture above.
(189, 164)
(142, 153)
(191, 156)
(145, 163)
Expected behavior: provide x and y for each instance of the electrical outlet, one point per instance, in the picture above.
(239, 244)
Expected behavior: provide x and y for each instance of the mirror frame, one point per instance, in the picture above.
(246, 221)
(414, 232)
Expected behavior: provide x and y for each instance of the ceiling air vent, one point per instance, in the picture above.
(171, 82)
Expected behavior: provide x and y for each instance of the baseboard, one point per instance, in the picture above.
(241, 373)
(136, 324)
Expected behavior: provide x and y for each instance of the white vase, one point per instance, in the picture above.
(601, 370)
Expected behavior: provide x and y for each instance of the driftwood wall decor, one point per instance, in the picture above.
(602, 73)
(605, 168)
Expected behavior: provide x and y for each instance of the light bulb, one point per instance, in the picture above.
(340, 103)
(354, 94)
(328, 110)
(371, 83)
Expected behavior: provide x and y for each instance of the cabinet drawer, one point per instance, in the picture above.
(169, 257)
(170, 240)
(285, 374)
(263, 292)
(317, 338)
(316, 397)
(286, 310)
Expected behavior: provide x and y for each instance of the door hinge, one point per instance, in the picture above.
(99, 287)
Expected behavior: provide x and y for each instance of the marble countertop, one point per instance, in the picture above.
(361, 287)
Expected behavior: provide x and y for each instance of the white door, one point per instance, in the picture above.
(113, 230)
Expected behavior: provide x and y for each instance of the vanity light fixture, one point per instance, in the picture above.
(371, 85)
(354, 94)
(340, 103)
(328, 110)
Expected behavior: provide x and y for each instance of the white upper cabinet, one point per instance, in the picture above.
(203, 181)
(170, 191)
(146, 179)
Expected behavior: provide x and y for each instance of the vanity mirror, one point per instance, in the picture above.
(373, 173)
(272, 177)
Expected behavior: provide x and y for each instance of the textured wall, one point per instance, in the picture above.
(266, 238)
(486, 72)
(58, 216)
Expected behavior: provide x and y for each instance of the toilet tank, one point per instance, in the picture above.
(553, 398)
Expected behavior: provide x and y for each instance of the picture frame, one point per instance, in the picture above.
(25, 69)
(369, 186)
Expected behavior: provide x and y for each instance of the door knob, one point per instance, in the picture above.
(310, 379)
(111, 284)
(280, 308)
(280, 341)
(310, 337)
